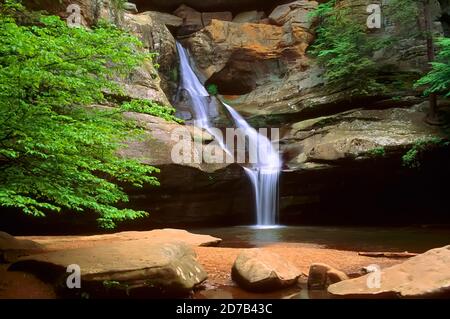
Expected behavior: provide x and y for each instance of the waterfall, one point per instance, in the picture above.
(264, 173)
(197, 92)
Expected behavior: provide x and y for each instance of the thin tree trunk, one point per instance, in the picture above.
(432, 116)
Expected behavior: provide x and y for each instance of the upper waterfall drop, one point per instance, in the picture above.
(197, 92)
(265, 171)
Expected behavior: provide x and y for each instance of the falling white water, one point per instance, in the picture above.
(264, 173)
(200, 98)
(197, 92)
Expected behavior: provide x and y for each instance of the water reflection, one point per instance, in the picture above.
(412, 239)
(234, 292)
(260, 234)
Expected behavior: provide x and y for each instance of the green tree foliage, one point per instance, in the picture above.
(377, 152)
(212, 89)
(412, 158)
(404, 14)
(56, 152)
(344, 49)
(438, 79)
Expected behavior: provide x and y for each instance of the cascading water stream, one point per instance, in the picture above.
(265, 169)
(197, 92)
(200, 98)
(264, 173)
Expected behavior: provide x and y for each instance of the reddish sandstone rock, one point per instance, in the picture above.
(239, 56)
(426, 275)
(259, 270)
(11, 247)
(296, 12)
(322, 275)
(164, 269)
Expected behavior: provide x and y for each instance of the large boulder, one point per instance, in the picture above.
(260, 270)
(160, 139)
(296, 12)
(12, 248)
(423, 276)
(132, 267)
(322, 275)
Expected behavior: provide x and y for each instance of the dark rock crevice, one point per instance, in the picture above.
(234, 6)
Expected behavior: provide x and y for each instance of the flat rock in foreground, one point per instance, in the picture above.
(426, 275)
(155, 236)
(11, 248)
(161, 269)
(259, 270)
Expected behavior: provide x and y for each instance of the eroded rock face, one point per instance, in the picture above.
(261, 67)
(236, 56)
(426, 275)
(294, 13)
(144, 83)
(167, 19)
(193, 20)
(208, 5)
(259, 270)
(91, 10)
(161, 139)
(168, 269)
(355, 134)
(353, 163)
(152, 29)
(289, 90)
(264, 86)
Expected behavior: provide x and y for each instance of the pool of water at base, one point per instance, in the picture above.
(234, 292)
(412, 239)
